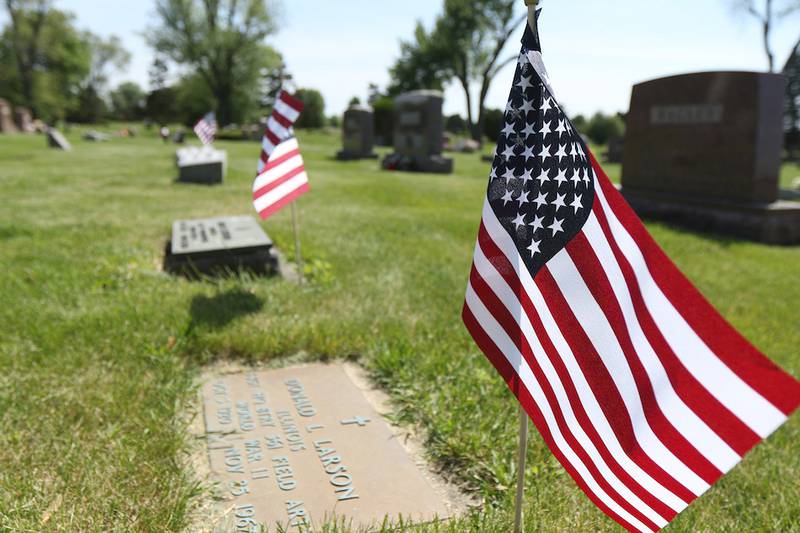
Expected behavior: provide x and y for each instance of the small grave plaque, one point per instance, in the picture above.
(201, 165)
(56, 140)
(300, 446)
(220, 245)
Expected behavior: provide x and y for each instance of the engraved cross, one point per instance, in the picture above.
(361, 421)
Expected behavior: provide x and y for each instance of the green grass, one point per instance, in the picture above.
(99, 349)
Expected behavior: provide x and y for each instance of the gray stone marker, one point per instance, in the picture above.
(6, 118)
(704, 150)
(24, 120)
(96, 136)
(219, 246)
(358, 134)
(55, 139)
(201, 165)
(299, 446)
(418, 133)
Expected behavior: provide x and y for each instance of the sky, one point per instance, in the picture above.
(594, 51)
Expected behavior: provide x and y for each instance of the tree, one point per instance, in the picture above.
(127, 101)
(466, 43)
(354, 101)
(603, 128)
(792, 121)
(767, 14)
(105, 53)
(313, 115)
(220, 40)
(27, 23)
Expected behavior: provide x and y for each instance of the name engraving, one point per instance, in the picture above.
(686, 114)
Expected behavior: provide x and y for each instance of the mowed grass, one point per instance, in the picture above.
(99, 350)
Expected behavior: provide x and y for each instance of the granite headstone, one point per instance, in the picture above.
(55, 139)
(6, 118)
(204, 165)
(358, 134)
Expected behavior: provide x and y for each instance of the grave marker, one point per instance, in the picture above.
(24, 120)
(6, 120)
(56, 140)
(201, 165)
(358, 134)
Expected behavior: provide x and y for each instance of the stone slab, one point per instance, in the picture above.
(219, 245)
(55, 139)
(300, 446)
(201, 165)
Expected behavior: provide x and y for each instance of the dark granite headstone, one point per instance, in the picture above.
(418, 133)
(358, 134)
(6, 118)
(705, 150)
(219, 246)
(201, 165)
(56, 140)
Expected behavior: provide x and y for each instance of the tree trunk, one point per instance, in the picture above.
(767, 28)
(224, 106)
(468, 98)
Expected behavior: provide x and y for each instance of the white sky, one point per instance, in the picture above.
(595, 51)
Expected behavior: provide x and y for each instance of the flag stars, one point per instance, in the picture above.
(526, 176)
(508, 152)
(524, 83)
(537, 224)
(577, 203)
(507, 197)
(540, 200)
(519, 221)
(529, 130)
(561, 177)
(559, 201)
(528, 153)
(561, 127)
(508, 175)
(545, 128)
(508, 129)
(561, 153)
(556, 227)
(523, 198)
(527, 106)
(545, 153)
(534, 247)
(543, 177)
(546, 104)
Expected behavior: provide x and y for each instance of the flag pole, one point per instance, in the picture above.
(298, 257)
(523, 416)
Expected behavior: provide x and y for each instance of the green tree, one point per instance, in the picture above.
(105, 53)
(313, 115)
(792, 121)
(127, 101)
(421, 64)
(220, 40)
(602, 128)
(768, 13)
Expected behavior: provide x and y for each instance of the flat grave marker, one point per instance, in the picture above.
(201, 165)
(299, 446)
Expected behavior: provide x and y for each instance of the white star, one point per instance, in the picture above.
(543, 177)
(524, 83)
(519, 221)
(545, 128)
(586, 178)
(507, 197)
(527, 105)
(562, 177)
(522, 61)
(523, 198)
(510, 107)
(508, 152)
(561, 128)
(509, 175)
(528, 153)
(562, 152)
(493, 173)
(540, 200)
(508, 130)
(574, 152)
(581, 152)
(577, 204)
(526, 176)
(559, 201)
(530, 129)
(537, 223)
(556, 227)
(576, 180)
(534, 247)
(545, 152)
(546, 104)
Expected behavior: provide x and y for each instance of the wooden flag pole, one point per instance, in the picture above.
(297, 255)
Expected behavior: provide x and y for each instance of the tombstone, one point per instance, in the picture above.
(204, 165)
(418, 132)
(358, 134)
(219, 246)
(179, 137)
(704, 150)
(615, 150)
(96, 136)
(6, 120)
(56, 140)
(292, 448)
(24, 120)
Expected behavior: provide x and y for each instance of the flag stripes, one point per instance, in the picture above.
(206, 128)
(282, 180)
(285, 112)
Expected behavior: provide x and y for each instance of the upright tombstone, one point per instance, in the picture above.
(6, 118)
(704, 150)
(418, 133)
(201, 165)
(358, 134)
(219, 246)
(55, 139)
(24, 120)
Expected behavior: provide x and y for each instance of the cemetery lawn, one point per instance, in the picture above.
(100, 351)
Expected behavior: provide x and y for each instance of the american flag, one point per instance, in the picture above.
(281, 175)
(206, 128)
(643, 392)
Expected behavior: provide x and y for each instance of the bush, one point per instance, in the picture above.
(384, 121)
(493, 123)
(455, 124)
(602, 128)
(313, 115)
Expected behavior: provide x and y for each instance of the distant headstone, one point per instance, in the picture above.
(358, 134)
(96, 136)
(179, 137)
(56, 140)
(24, 120)
(418, 133)
(615, 150)
(705, 150)
(219, 246)
(6, 118)
(296, 447)
(204, 165)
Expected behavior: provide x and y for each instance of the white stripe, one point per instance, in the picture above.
(277, 172)
(266, 146)
(691, 426)
(282, 190)
(284, 148)
(509, 350)
(276, 128)
(647, 439)
(286, 110)
(510, 301)
(736, 395)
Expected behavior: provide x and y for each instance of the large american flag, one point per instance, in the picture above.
(281, 174)
(206, 128)
(643, 392)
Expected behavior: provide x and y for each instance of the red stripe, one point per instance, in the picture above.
(594, 371)
(273, 208)
(272, 137)
(721, 420)
(511, 378)
(291, 101)
(283, 121)
(264, 158)
(276, 183)
(509, 324)
(779, 388)
(282, 159)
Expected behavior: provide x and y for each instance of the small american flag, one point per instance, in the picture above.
(281, 172)
(642, 391)
(206, 128)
